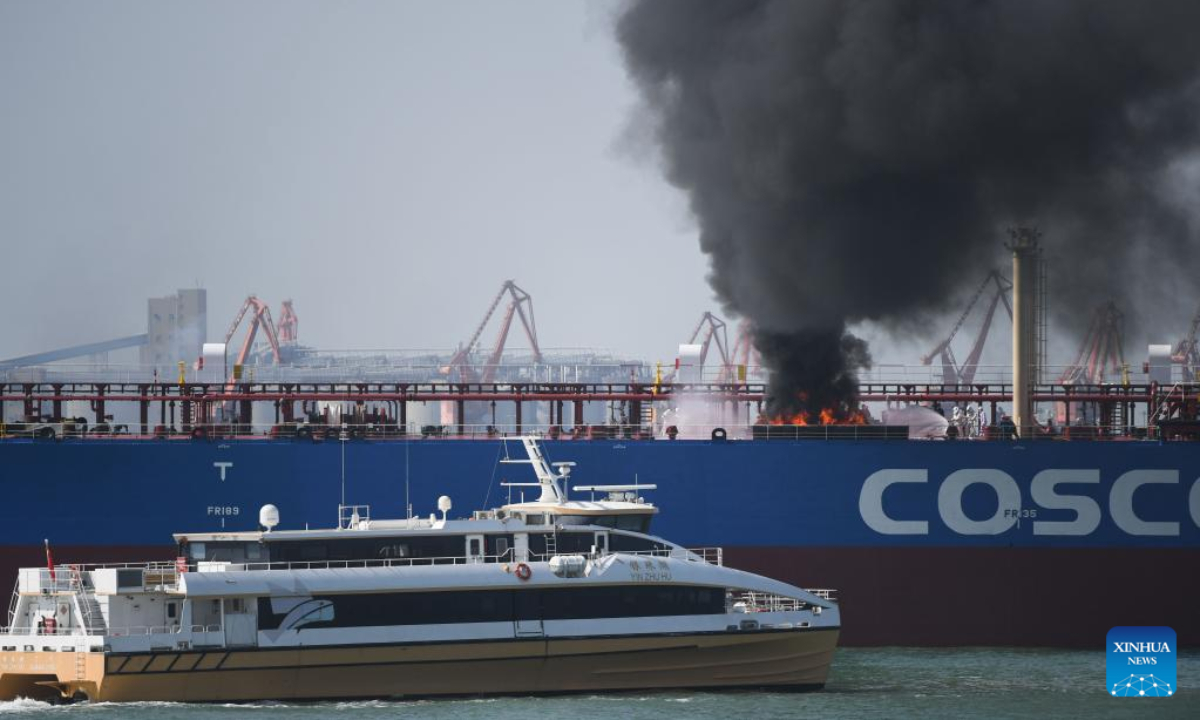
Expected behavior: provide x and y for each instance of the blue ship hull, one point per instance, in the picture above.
(942, 543)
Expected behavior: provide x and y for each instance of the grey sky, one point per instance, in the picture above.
(386, 165)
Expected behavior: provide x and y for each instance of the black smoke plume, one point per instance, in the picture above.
(856, 160)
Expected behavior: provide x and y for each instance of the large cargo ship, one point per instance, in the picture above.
(959, 542)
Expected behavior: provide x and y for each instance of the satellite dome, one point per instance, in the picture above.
(268, 516)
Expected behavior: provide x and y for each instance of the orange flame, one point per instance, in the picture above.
(827, 416)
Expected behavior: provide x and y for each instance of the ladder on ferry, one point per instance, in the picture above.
(551, 544)
(90, 612)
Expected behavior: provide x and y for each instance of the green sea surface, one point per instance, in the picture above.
(864, 683)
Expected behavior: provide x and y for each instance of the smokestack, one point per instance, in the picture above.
(1026, 253)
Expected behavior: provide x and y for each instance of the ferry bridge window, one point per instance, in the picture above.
(629, 543)
(637, 522)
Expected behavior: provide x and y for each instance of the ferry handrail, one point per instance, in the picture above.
(12, 603)
(710, 555)
(128, 631)
(756, 601)
(366, 563)
(823, 593)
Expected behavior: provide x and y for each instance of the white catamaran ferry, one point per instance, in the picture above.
(554, 595)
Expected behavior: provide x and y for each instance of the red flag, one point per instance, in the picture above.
(50, 560)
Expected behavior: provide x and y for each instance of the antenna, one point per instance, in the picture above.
(407, 498)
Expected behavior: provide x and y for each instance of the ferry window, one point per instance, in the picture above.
(172, 610)
(442, 607)
(636, 523)
(628, 543)
(197, 551)
(235, 605)
(394, 550)
(574, 542)
(313, 551)
(499, 544)
(475, 547)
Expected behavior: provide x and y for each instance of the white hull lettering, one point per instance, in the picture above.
(1120, 502)
(1048, 491)
(870, 503)
(950, 501)
(1087, 510)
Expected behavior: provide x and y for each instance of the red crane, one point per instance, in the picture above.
(952, 372)
(520, 304)
(713, 330)
(1186, 352)
(289, 324)
(260, 317)
(1101, 353)
(742, 353)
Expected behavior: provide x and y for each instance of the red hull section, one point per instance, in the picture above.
(1056, 597)
(923, 596)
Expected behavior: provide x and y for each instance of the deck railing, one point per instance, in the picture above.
(750, 601)
(63, 584)
(710, 555)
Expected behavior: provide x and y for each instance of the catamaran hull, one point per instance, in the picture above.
(784, 659)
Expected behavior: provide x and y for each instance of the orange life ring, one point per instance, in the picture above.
(523, 572)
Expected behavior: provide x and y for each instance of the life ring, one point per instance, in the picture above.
(523, 572)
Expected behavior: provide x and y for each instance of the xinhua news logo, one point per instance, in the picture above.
(1141, 662)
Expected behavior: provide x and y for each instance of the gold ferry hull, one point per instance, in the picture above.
(783, 659)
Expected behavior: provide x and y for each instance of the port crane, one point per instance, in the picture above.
(709, 331)
(964, 374)
(1101, 354)
(260, 317)
(288, 323)
(1186, 352)
(743, 353)
(520, 305)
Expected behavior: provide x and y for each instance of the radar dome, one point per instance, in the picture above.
(268, 516)
(444, 505)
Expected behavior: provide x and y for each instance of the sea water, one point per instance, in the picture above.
(864, 683)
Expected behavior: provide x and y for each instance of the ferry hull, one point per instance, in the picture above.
(778, 659)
